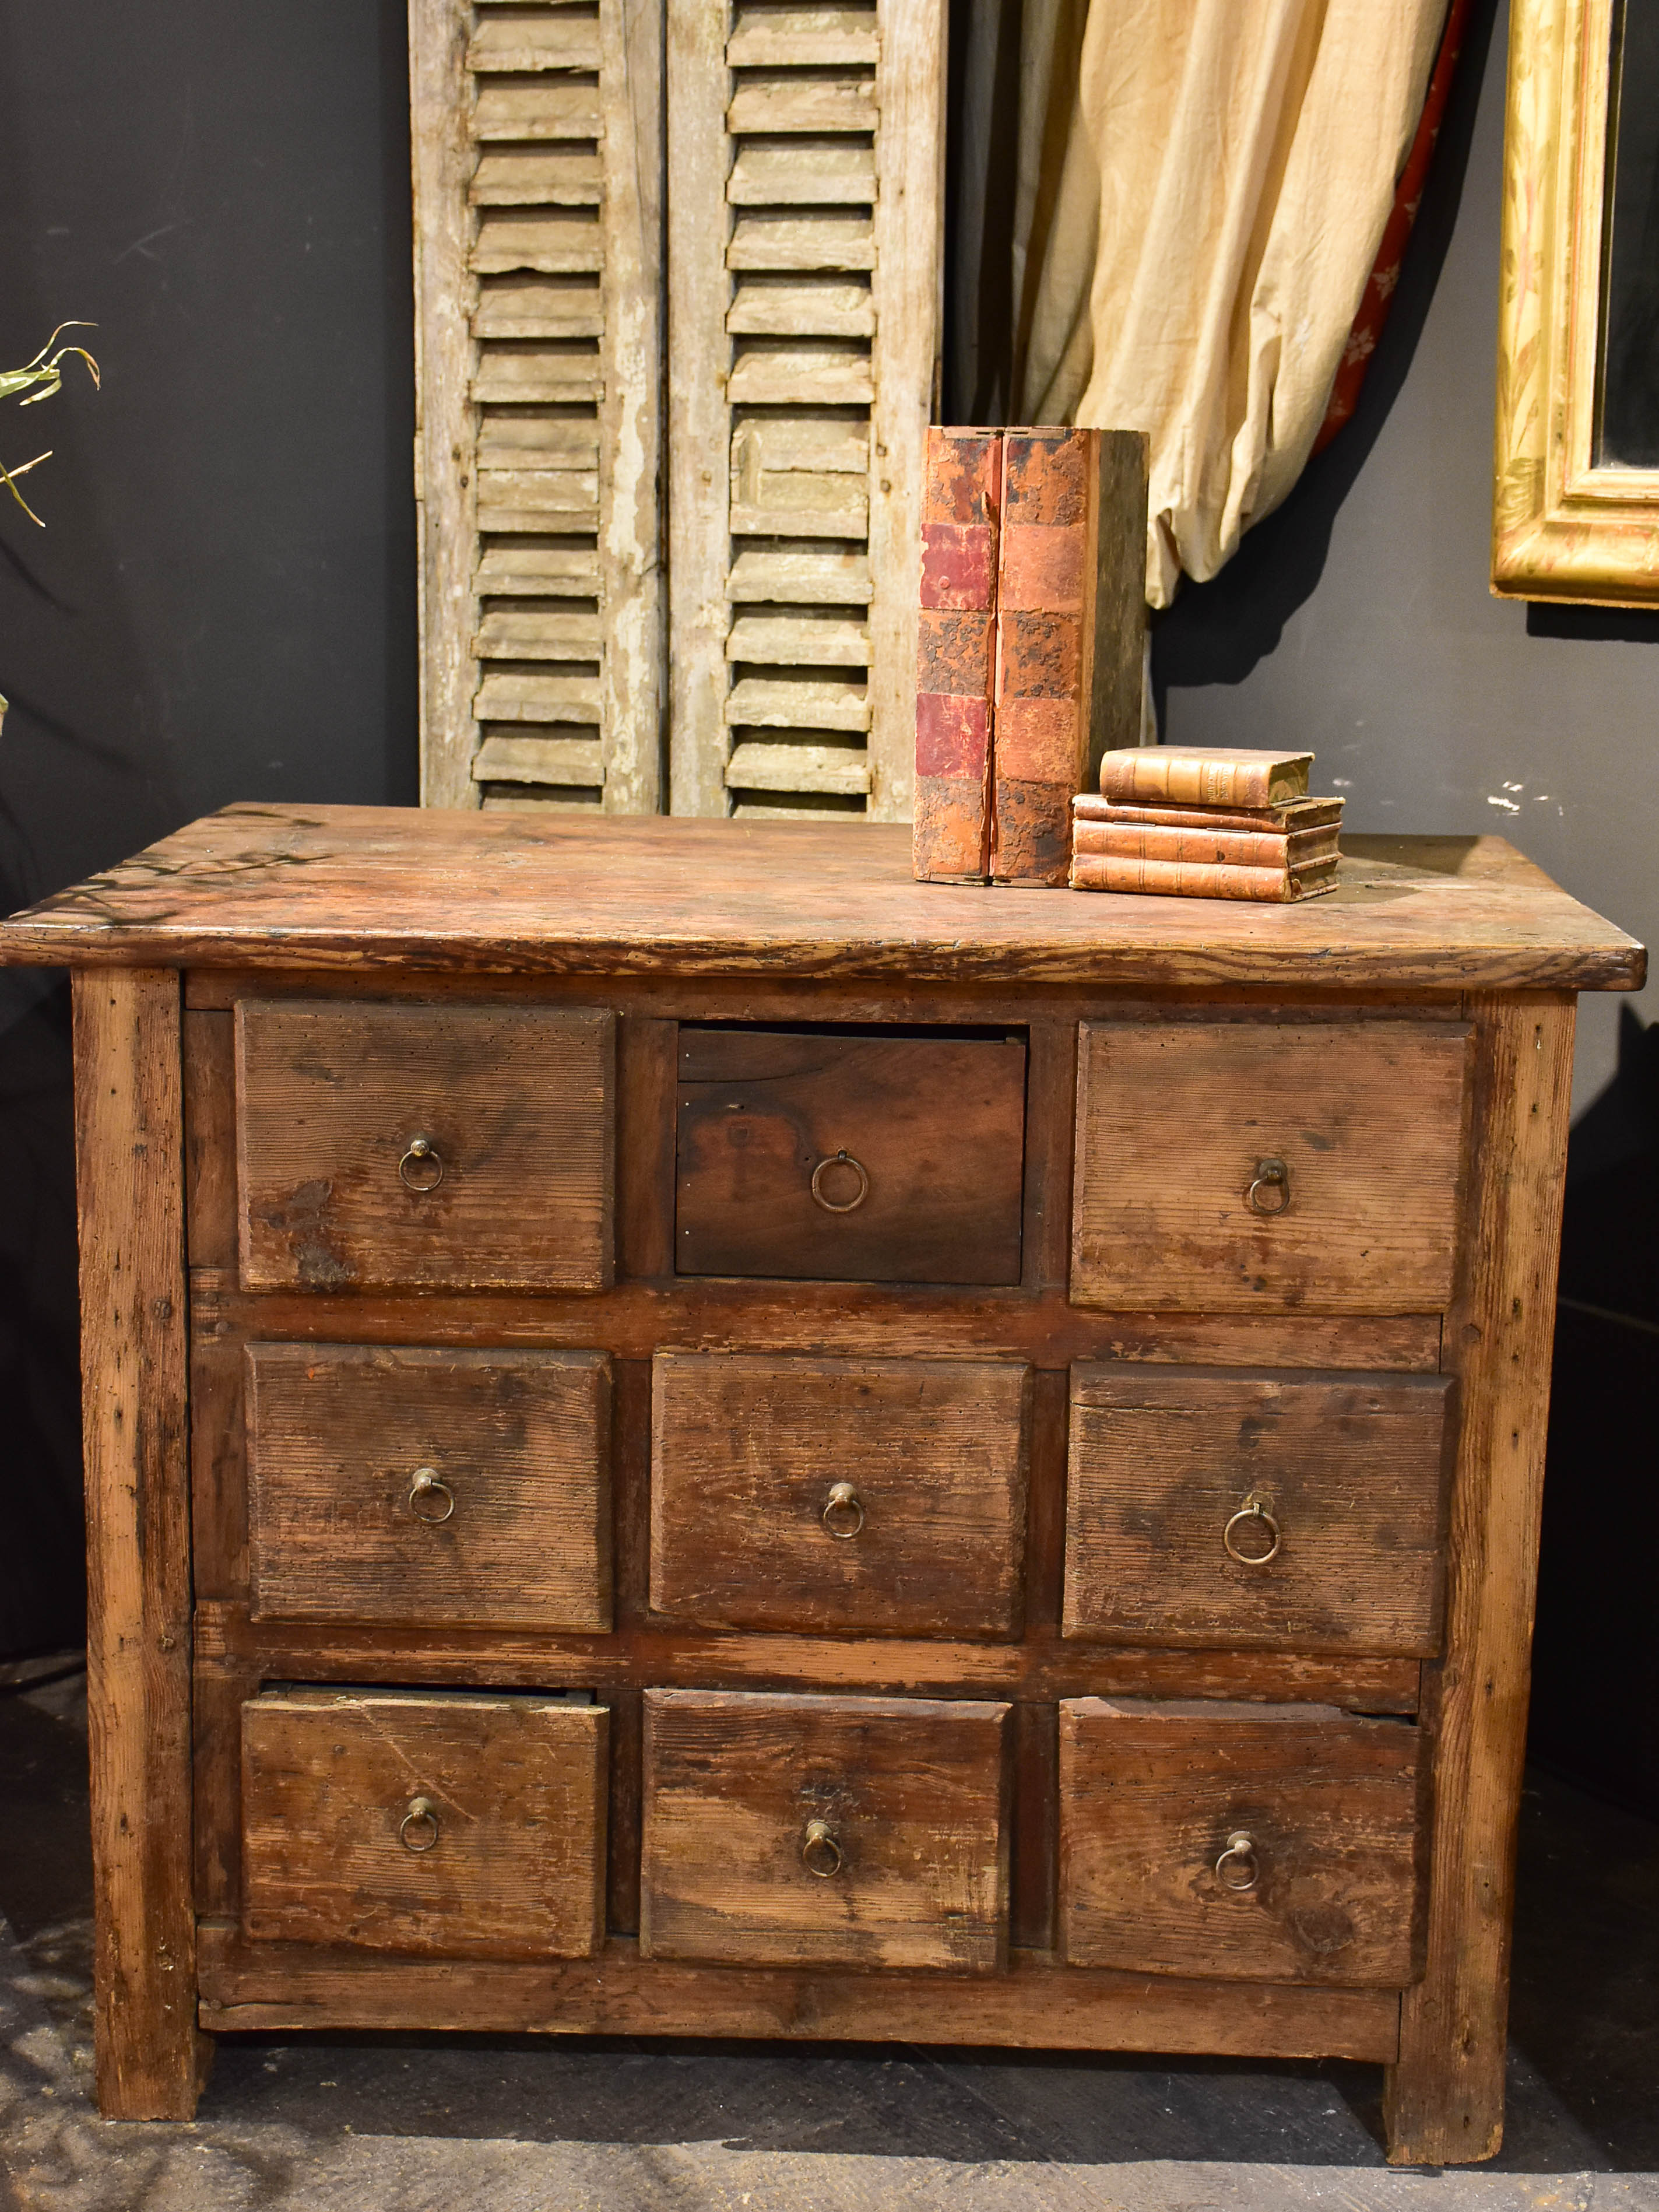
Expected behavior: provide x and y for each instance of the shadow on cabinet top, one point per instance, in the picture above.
(355, 888)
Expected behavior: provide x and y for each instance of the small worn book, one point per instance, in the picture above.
(1113, 871)
(1203, 776)
(1291, 815)
(1244, 848)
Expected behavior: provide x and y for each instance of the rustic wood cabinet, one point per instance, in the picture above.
(685, 1434)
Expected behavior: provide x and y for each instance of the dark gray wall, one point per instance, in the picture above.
(223, 604)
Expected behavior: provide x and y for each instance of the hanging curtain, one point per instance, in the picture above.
(1228, 171)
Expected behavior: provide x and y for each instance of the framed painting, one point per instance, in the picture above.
(1575, 511)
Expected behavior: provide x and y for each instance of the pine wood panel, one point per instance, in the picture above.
(934, 1132)
(520, 1535)
(746, 1452)
(820, 309)
(1326, 1810)
(912, 1796)
(1174, 1125)
(1038, 2003)
(517, 1105)
(1352, 1470)
(357, 889)
(516, 1793)
(1445, 2099)
(129, 1151)
(537, 162)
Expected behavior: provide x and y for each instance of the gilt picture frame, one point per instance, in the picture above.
(1575, 508)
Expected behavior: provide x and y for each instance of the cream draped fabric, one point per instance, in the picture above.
(1227, 174)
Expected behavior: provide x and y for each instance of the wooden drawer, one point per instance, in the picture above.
(461, 1487)
(1350, 1134)
(858, 1831)
(464, 1826)
(839, 1494)
(1260, 1843)
(933, 1129)
(1301, 1512)
(513, 1102)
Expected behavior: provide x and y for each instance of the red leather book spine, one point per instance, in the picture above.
(960, 522)
(1041, 729)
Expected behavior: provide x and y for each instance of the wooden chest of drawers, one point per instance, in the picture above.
(686, 1435)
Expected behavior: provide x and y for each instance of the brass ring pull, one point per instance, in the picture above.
(843, 1512)
(1270, 1175)
(820, 1854)
(840, 1159)
(429, 1484)
(423, 1153)
(1252, 1509)
(1240, 1854)
(423, 1818)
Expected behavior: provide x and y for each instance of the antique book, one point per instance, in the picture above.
(956, 654)
(1204, 776)
(1070, 622)
(1115, 871)
(1244, 848)
(1290, 815)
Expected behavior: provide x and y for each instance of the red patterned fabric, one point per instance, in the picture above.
(1378, 296)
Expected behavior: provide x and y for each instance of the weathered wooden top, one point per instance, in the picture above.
(359, 888)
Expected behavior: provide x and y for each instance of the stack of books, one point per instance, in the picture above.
(1205, 823)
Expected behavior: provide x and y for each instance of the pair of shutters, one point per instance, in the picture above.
(678, 272)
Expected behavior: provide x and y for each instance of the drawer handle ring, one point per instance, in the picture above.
(1252, 1509)
(843, 1512)
(429, 1484)
(420, 1819)
(423, 1153)
(820, 1854)
(1271, 1175)
(1239, 1859)
(840, 1159)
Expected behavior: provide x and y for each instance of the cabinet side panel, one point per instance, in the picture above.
(1444, 2100)
(130, 1178)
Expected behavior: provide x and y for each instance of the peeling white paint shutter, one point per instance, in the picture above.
(804, 160)
(538, 149)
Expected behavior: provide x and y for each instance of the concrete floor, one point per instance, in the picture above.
(401, 2123)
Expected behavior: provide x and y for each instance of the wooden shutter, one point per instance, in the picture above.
(538, 150)
(805, 245)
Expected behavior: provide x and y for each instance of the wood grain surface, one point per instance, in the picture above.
(935, 1123)
(364, 888)
(913, 1794)
(517, 1792)
(1174, 1127)
(1445, 2099)
(517, 1103)
(746, 1451)
(1150, 1796)
(1038, 2003)
(520, 1442)
(129, 1152)
(686, 1658)
(1353, 1471)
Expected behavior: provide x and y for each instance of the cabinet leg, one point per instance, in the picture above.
(130, 1192)
(1444, 2101)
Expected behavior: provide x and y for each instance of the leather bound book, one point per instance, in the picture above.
(1203, 776)
(1243, 848)
(961, 518)
(1291, 816)
(1070, 627)
(1123, 872)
